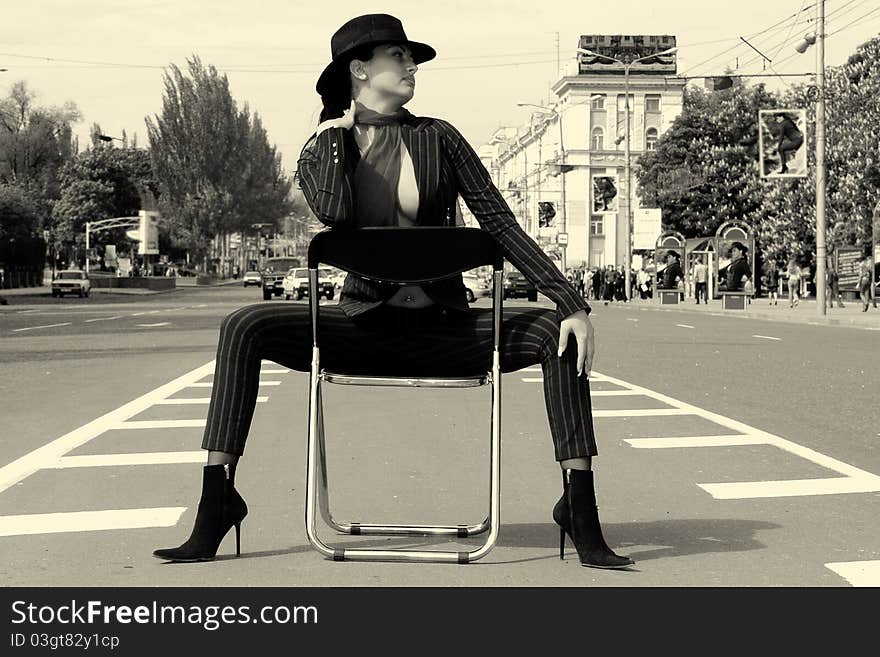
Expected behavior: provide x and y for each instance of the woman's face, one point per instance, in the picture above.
(390, 73)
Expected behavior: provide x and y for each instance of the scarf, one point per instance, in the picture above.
(377, 175)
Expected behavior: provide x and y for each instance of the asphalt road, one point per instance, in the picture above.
(733, 452)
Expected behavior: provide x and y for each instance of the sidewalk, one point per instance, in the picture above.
(806, 312)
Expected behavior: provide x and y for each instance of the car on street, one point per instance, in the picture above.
(71, 281)
(476, 286)
(251, 278)
(274, 271)
(296, 283)
(516, 285)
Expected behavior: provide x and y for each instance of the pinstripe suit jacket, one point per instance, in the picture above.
(445, 167)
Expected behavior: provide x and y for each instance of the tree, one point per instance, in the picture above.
(213, 163)
(18, 214)
(703, 171)
(100, 183)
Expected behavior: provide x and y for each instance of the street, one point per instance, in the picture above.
(732, 452)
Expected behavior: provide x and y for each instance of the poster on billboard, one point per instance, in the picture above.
(605, 197)
(647, 226)
(110, 255)
(848, 262)
(782, 143)
(546, 214)
(148, 232)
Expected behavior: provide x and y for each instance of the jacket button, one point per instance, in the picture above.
(335, 160)
(334, 144)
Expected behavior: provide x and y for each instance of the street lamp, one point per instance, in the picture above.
(554, 111)
(629, 226)
(821, 250)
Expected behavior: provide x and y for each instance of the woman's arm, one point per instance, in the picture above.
(324, 171)
(485, 201)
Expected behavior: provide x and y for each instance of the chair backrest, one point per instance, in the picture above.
(405, 255)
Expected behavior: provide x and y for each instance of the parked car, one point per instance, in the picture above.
(274, 271)
(71, 281)
(516, 285)
(252, 278)
(296, 283)
(476, 286)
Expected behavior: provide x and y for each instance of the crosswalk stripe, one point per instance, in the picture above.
(641, 412)
(182, 401)
(792, 487)
(49, 453)
(274, 371)
(694, 441)
(159, 424)
(857, 573)
(144, 458)
(613, 393)
(89, 521)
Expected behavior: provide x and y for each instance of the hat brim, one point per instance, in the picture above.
(421, 52)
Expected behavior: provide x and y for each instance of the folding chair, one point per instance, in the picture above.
(403, 256)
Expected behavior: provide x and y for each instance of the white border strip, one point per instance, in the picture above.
(89, 521)
(857, 573)
(143, 458)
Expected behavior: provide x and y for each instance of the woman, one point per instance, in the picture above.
(793, 272)
(771, 282)
(866, 277)
(372, 163)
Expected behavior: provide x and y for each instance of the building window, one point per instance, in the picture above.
(652, 103)
(598, 139)
(598, 102)
(651, 139)
(621, 102)
(597, 226)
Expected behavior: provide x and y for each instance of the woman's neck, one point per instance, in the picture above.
(377, 103)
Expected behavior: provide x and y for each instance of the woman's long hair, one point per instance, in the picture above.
(338, 97)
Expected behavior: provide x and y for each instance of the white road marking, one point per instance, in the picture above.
(155, 325)
(694, 441)
(631, 319)
(113, 460)
(854, 480)
(145, 312)
(688, 326)
(767, 337)
(103, 319)
(210, 384)
(34, 328)
(274, 371)
(159, 424)
(857, 573)
(89, 521)
(48, 454)
(613, 393)
(641, 412)
(27, 312)
(182, 401)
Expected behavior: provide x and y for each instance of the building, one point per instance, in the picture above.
(563, 174)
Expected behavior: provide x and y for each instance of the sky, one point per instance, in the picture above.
(109, 56)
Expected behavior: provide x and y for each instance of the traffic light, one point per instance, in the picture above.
(782, 143)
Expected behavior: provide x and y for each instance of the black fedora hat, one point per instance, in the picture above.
(739, 245)
(370, 29)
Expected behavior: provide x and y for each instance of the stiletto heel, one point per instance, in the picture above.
(577, 515)
(220, 509)
(562, 543)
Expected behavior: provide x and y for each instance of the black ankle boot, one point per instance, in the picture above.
(582, 522)
(220, 509)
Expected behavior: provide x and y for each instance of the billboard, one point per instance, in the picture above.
(647, 226)
(626, 48)
(604, 194)
(848, 262)
(148, 232)
(782, 143)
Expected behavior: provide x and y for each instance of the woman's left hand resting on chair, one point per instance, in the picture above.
(579, 324)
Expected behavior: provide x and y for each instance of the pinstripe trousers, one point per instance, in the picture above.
(395, 342)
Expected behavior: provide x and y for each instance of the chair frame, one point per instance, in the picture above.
(317, 491)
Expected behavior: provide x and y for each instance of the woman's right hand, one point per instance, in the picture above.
(345, 121)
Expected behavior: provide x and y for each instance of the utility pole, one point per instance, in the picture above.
(821, 249)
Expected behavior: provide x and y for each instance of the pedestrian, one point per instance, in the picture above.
(832, 284)
(588, 283)
(866, 283)
(701, 278)
(793, 274)
(397, 169)
(610, 283)
(620, 285)
(771, 282)
(598, 283)
(579, 281)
